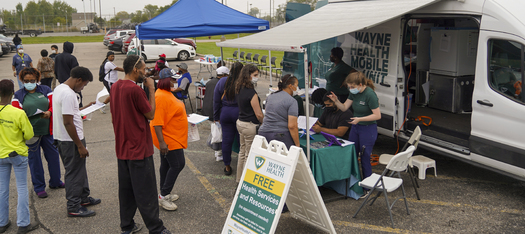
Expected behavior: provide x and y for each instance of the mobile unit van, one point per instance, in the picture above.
(459, 64)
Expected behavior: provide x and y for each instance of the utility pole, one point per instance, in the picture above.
(100, 10)
(44, 20)
(270, 14)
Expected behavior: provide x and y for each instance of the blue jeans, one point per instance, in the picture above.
(364, 135)
(19, 164)
(35, 163)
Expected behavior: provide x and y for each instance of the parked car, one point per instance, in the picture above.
(5, 47)
(108, 36)
(127, 41)
(186, 41)
(173, 50)
(115, 44)
(9, 42)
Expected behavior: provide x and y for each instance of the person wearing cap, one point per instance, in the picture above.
(207, 107)
(163, 57)
(20, 61)
(183, 81)
(169, 129)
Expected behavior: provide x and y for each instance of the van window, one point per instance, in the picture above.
(506, 61)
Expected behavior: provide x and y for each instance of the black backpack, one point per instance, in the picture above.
(101, 71)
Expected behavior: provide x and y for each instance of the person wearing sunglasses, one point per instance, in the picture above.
(37, 102)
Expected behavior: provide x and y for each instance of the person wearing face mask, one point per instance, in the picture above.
(333, 120)
(34, 98)
(68, 131)
(365, 104)
(335, 77)
(280, 120)
(130, 112)
(54, 52)
(250, 113)
(20, 61)
(169, 129)
(183, 82)
(15, 130)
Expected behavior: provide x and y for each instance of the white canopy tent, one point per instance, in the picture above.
(335, 19)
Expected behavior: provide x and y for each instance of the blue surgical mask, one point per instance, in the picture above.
(354, 91)
(30, 86)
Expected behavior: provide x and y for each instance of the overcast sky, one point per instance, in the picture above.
(134, 5)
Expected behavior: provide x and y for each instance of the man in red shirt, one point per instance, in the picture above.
(131, 110)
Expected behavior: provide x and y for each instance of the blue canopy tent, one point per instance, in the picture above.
(195, 18)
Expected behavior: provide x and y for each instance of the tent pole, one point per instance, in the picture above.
(238, 49)
(270, 67)
(307, 99)
(222, 57)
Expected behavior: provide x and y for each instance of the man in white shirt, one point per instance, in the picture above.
(68, 132)
(111, 70)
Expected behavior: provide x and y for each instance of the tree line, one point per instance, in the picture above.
(37, 13)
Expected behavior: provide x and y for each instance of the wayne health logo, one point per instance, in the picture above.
(259, 162)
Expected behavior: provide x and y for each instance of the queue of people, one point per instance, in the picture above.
(51, 121)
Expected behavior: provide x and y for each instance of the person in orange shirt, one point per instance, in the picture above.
(169, 129)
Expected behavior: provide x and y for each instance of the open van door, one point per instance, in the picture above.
(498, 102)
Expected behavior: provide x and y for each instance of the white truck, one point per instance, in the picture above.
(462, 62)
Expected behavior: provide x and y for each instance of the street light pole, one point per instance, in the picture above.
(84, 12)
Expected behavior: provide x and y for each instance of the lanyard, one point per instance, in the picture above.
(3, 108)
(21, 57)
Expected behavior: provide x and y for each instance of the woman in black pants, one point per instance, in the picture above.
(169, 130)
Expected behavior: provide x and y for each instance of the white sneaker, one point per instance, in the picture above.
(172, 197)
(218, 159)
(167, 204)
(365, 194)
(103, 110)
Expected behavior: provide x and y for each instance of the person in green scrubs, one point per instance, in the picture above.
(365, 104)
(335, 77)
(36, 101)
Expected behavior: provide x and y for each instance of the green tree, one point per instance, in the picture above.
(254, 11)
(309, 2)
(123, 15)
(63, 9)
(61, 20)
(150, 10)
(139, 17)
(32, 10)
(46, 10)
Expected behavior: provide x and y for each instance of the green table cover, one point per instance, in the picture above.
(333, 163)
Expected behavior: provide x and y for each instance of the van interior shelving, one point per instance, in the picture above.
(449, 101)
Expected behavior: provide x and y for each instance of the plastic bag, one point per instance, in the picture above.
(193, 133)
(213, 146)
(216, 133)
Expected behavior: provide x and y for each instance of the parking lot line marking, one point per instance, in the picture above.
(452, 204)
(373, 227)
(218, 198)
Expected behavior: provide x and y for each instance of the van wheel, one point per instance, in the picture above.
(144, 58)
(32, 35)
(183, 55)
(123, 50)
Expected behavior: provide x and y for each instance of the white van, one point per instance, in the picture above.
(463, 65)
(462, 62)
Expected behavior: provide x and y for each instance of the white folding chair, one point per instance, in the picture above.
(385, 184)
(414, 140)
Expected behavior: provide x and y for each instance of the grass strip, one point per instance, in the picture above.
(60, 40)
(211, 48)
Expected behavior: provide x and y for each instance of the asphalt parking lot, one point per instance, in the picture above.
(461, 199)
